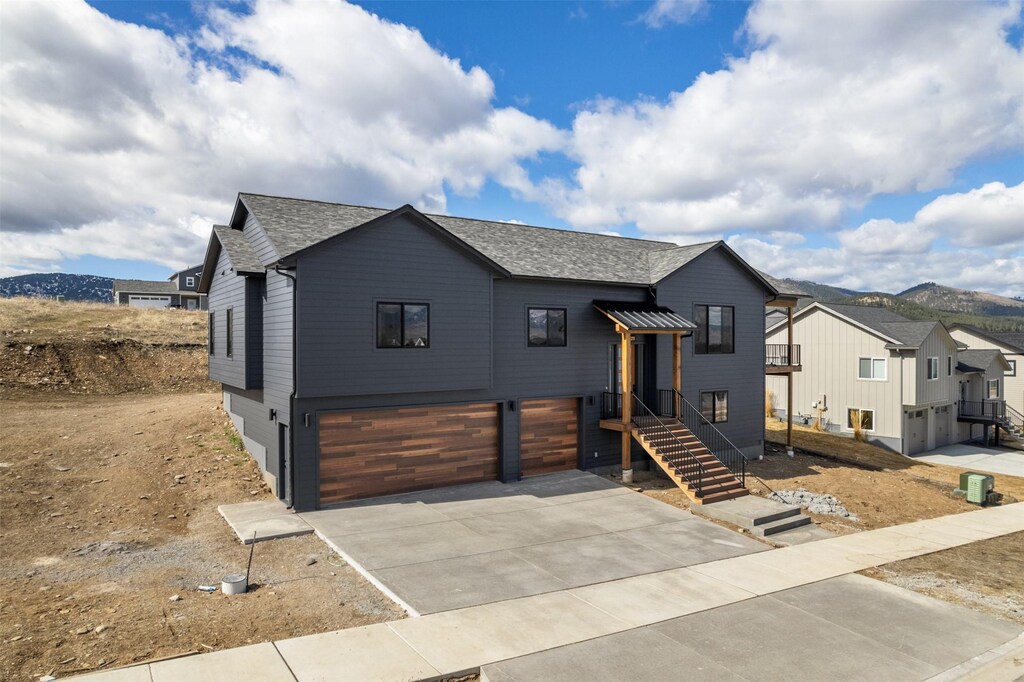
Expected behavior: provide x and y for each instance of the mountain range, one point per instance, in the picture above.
(53, 284)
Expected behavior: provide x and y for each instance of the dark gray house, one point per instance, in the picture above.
(366, 351)
(181, 290)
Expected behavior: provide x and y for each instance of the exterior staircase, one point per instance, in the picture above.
(1012, 423)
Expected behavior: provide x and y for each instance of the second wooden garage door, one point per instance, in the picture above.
(367, 453)
(548, 436)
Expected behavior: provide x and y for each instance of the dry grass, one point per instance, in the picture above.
(769, 403)
(865, 454)
(36, 320)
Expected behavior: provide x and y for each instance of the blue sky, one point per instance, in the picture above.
(853, 144)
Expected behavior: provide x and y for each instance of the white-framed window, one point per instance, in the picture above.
(190, 281)
(873, 369)
(1012, 372)
(866, 416)
(993, 388)
(933, 368)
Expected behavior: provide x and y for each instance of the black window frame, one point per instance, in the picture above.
(401, 329)
(547, 321)
(210, 331)
(949, 365)
(229, 332)
(701, 345)
(713, 419)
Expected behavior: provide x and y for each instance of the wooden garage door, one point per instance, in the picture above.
(367, 453)
(548, 436)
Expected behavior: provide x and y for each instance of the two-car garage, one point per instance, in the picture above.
(385, 451)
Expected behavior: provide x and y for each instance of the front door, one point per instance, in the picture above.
(639, 363)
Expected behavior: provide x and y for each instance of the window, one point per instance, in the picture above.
(871, 368)
(545, 326)
(714, 329)
(209, 333)
(714, 406)
(190, 281)
(993, 388)
(229, 336)
(933, 368)
(1012, 372)
(949, 366)
(866, 417)
(403, 325)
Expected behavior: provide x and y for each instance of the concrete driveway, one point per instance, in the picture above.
(462, 546)
(987, 460)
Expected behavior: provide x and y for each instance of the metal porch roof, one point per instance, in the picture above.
(645, 317)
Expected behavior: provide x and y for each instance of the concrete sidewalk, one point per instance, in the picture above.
(465, 639)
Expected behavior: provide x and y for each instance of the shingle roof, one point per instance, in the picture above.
(910, 333)
(887, 323)
(976, 360)
(522, 250)
(1014, 340)
(144, 286)
(239, 250)
(784, 287)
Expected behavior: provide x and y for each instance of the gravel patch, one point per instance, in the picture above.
(814, 502)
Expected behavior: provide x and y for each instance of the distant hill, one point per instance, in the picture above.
(956, 300)
(823, 292)
(916, 311)
(53, 284)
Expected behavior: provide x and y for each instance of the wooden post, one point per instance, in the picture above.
(626, 362)
(789, 380)
(677, 372)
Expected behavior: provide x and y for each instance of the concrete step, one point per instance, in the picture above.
(753, 512)
(781, 525)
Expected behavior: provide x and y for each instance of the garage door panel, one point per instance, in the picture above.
(387, 451)
(548, 436)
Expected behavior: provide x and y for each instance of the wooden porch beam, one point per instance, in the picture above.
(626, 366)
(789, 380)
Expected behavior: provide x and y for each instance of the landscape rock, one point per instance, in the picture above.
(815, 503)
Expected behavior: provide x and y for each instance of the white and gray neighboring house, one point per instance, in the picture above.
(908, 379)
(181, 290)
(1011, 346)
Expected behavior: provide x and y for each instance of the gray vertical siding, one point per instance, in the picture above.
(227, 290)
(255, 292)
(716, 279)
(261, 244)
(339, 287)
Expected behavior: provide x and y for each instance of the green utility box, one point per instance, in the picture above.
(964, 477)
(978, 488)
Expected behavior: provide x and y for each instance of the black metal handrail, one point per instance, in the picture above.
(777, 355)
(611, 405)
(1013, 417)
(982, 409)
(674, 451)
(707, 433)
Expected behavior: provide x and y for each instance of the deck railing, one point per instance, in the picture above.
(981, 409)
(777, 355)
(611, 405)
(674, 451)
(706, 432)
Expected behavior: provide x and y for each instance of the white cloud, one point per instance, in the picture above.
(884, 237)
(992, 215)
(124, 142)
(664, 12)
(837, 102)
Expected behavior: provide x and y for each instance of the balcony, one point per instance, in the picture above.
(777, 358)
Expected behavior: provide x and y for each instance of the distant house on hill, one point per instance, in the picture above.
(179, 291)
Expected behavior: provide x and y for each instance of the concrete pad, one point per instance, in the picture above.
(136, 673)
(568, 486)
(694, 541)
(594, 559)
(819, 562)
(256, 663)
(742, 511)
(887, 544)
(934, 632)
(939, 532)
(463, 640)
(367, 654)
(365, 516)
(624, 512)
(264, 520)
(467, 581)
(641, 655)
(1000, 664)
(416, 544)
(531, 526)
(984, 460)
(800, 536)
(652, 598)
(764, 639)
(758, 578)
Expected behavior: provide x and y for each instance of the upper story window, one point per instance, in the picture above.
(933, 368)
(209, 332)
(403, 325)
(993, 388)
(714, 329)
(871, 368)
(190, 281)
(714, 406)
(229, 336)
(545, 326)
(1012, 372)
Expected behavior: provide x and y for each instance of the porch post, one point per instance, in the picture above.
(789, 381)
(626, 364)
(677, 372)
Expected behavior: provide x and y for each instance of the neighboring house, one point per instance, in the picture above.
(1011, 345)
(366, 351)
(900, 376)
(981, 397)
(181, 290)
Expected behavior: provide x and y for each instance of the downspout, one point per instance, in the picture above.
(903, 421)
(290, 462)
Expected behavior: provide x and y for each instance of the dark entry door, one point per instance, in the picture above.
(640, 362)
